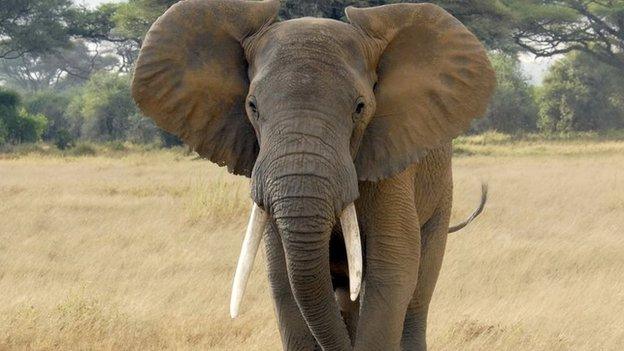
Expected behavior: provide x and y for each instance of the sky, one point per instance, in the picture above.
(534, 68)
(94, 2)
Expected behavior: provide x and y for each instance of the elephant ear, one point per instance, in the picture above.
(434, 77)
(191, 76)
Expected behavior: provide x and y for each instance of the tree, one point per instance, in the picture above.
(104, 111)
(512, 108)
(16, 124)
(582, 94)
(53, 105)
(61, 69)
(106, 105)
(132, 21)
(491, 20)
(32, 26)
(554, 27)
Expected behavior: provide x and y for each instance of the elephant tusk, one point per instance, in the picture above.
(251, 243)
(351, 234)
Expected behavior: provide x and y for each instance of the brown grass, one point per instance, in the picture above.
(137, 253)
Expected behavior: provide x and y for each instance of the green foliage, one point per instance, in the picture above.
(512, 108)
(551, 27)
(64, 140)
(4, 132)
(581, 94)
(133, 19)
(491, 20)
(17, 125)
(30, 127)
(63, 69)
(53, 105)
(102, 110)
(142, 130)
(32, 26)
(96, 25)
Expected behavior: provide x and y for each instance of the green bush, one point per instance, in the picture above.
(142, 130)
(581, 94)
(4, 133)
(53, 105)
(19, 126)
(512, 108)
(103, 108)
(64, 140)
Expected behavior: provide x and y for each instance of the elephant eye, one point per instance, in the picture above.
(253, 107)
(360, 106)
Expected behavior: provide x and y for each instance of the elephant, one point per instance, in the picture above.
(345, 130)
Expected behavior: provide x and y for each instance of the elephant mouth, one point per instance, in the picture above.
(253, 236)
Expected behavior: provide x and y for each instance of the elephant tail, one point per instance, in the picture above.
(475, 214)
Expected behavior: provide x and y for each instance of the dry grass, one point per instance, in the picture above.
(137, 253)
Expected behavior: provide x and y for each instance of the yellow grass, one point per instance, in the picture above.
(137, 252)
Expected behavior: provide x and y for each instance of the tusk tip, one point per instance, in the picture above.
(233, 312)
(355, 290)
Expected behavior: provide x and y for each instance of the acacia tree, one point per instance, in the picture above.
(61, 69)
(32, 26)
(493, 21)
(553, 27)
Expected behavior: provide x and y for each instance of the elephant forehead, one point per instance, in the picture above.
(323, 41)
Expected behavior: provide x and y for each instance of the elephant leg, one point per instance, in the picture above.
(293, 329)
(433, 241)
(392, 257)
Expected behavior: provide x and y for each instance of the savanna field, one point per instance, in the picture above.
(135, 250)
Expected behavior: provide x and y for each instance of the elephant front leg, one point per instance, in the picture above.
(296, 335)
(392, 259)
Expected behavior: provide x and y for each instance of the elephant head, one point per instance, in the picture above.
(307, 108)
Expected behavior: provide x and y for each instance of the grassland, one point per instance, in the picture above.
(135, 250)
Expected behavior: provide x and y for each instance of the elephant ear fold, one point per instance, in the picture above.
(434, 77)
(191, 76)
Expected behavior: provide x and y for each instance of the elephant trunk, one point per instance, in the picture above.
(305, 227)
(305, 178)
(305, 186)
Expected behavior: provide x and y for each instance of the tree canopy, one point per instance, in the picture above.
(491, 20)
(553, 27)
(582, 94)
(32, 26)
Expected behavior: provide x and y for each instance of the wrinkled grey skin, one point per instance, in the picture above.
(311, 99)
(305, 176)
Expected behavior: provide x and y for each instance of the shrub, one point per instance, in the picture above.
(512, 108)
(104, 107)
(64, 140)
(581, 94)
(18, 125)
(4, 133)
(142, 130)
(53, 105)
